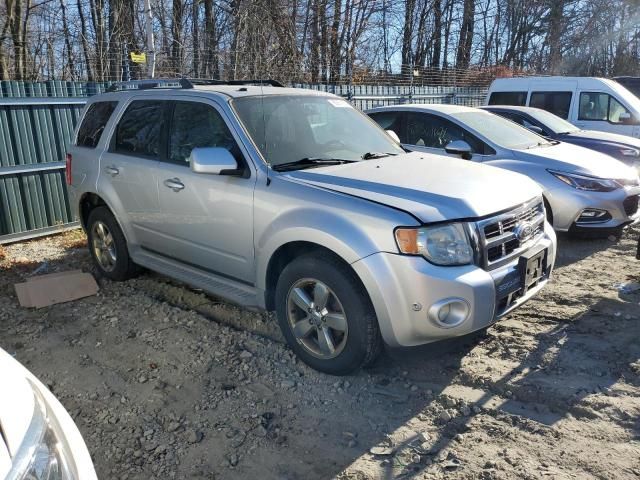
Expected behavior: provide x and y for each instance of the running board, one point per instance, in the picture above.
(233, 291)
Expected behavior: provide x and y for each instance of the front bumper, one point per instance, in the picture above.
(568, 204)
(404, 288)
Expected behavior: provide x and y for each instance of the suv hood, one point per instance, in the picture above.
(570, 158)
(431, 187)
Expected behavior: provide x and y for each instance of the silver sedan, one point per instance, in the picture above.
(584, 190)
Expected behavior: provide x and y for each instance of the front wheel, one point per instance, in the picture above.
(326, 316)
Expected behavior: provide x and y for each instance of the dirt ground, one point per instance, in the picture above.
(166, 382)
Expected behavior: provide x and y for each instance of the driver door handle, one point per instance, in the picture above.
(113, 171)
(174, 184)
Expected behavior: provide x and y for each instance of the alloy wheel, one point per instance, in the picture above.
(317, 318)
(104, 248)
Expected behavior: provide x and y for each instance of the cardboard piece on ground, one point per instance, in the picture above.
(46, 290)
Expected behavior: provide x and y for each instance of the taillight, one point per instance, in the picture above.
(68, 169)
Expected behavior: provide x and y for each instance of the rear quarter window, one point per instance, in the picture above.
(93, 123)
(508, 98)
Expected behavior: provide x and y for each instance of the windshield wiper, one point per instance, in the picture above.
(372, 155)
(309, 162)
(543, 144)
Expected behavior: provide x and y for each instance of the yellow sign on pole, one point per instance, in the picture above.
(138, 57)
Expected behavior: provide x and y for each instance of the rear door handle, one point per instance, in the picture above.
(174, 184)
(113, 171)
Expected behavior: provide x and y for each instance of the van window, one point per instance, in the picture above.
(197, 125)
(508, 98)
(557, 103)
(600, 106)
(93, 123)
(140, 128)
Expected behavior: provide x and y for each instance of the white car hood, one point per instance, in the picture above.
(17, 404)
(431, 187)
(573, 158)
(16, 409)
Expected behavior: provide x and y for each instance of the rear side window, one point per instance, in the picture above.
(140, 129)
(508, 98)
(197, 125)
(557, 103)
(600, 106)
(93, 123)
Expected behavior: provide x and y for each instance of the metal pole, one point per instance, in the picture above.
(126, 72)
(151, 61)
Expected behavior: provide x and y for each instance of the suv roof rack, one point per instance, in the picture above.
(270, 82)
(184, 83)
(150, 83)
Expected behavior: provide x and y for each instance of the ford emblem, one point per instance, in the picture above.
(523, 231)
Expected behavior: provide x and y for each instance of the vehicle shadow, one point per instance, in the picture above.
(572, 248)
(581, 368)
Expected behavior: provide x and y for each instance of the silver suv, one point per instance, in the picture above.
(294, 201)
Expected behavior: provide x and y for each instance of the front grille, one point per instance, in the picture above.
(631, 205)
(504, 236)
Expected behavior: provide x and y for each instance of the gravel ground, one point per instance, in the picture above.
(166, 382)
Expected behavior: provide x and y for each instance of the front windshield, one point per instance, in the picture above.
(552, 122)
(288, 128)
(502, 132)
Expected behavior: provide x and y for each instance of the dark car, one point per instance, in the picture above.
(621, 147)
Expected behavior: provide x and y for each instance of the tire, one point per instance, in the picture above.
(347, 316)
(548, 211)
(108, 247)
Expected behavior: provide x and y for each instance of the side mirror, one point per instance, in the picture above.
(535, 129)
(214, 161)
(459, 147)
(393, 135)
(627, 119)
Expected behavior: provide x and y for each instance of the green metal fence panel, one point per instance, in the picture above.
(36, 124)
(37, 120)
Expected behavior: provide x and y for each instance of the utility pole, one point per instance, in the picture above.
(151, 61)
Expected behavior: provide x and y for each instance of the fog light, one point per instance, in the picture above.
(450, 312)
(594, 215)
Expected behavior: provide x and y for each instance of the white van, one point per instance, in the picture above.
(589, 103)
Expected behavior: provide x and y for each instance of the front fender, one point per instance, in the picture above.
(345, 237)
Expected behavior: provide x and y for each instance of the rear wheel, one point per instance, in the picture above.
(108, 246)
(326, 316)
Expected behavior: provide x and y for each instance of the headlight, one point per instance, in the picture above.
(446, 244)
(630, 152)
(44, 453)
(583, 182)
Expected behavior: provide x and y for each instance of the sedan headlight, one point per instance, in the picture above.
(584, 182)
(446, 244)
(44, 453)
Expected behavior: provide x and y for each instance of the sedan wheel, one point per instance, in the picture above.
(317, 318)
